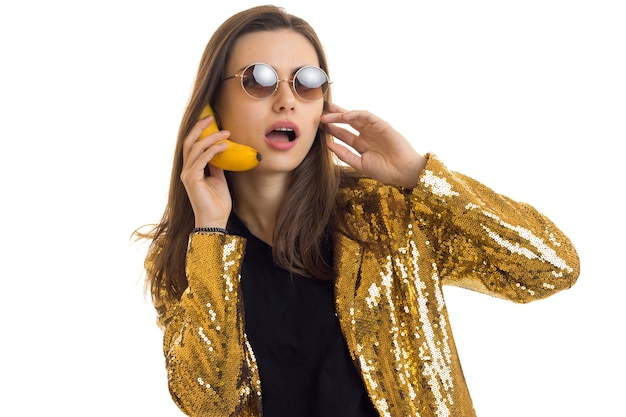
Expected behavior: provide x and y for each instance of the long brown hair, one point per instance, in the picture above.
(306, 215)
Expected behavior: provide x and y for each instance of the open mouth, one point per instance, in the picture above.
(282, 134)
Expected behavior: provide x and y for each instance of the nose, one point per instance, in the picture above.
(284, 97)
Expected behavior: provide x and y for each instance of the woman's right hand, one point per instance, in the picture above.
(209, 196)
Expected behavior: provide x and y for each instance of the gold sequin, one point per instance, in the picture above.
(394, 251)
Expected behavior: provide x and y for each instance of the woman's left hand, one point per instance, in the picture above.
(383, 153)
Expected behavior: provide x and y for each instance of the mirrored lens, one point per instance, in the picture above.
(259, 80)
(310, 83)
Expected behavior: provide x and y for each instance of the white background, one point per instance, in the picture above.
(529, 97)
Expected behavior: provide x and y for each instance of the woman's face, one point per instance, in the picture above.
(264, 123)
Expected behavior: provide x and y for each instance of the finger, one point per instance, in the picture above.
(332, 113)
(194, 147)
(195, 164)
(363, 115)
(194, 134)
(332, 118)
(333, 108)
(205, 157)
(198, 127)
(342, 134)
(358, 119)
(346, 155)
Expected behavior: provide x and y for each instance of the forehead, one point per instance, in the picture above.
(283, 49)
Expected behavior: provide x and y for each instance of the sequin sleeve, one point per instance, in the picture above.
(488, 242)
(477, 239)
(210, 365)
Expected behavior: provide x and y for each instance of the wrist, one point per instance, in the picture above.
(210, 229)
(209, 221)
(206, 224)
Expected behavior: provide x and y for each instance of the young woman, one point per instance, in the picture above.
(304, 287)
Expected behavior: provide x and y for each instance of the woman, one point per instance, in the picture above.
(306, 288)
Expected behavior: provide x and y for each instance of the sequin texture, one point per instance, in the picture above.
(394, 249)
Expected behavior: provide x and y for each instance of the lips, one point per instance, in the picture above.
(282, 135)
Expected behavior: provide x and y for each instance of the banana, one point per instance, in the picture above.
(236, 157)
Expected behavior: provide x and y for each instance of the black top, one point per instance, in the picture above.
(290, 321)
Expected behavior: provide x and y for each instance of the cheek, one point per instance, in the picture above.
(313, 129)
(233, 119)
(315, 123)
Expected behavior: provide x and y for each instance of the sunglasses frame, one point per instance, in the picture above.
(278, 80)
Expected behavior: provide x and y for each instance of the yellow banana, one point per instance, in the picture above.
(236, 157)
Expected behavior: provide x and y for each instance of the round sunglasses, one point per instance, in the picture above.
(260, 80)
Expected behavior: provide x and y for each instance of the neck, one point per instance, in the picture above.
(257, 199)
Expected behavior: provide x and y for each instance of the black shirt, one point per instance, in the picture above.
(290, 321)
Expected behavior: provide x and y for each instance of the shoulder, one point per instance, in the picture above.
(369, 211)
(357, 189)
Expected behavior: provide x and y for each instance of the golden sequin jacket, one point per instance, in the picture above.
(395, 250)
